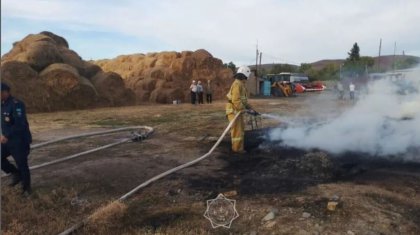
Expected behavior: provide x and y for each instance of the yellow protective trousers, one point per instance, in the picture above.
(237, 132)
(238, 101)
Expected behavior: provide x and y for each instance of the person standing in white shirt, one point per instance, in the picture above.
(352, 88)
(193, 89)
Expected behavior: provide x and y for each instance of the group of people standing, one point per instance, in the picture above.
(340, 88)
(198, 90)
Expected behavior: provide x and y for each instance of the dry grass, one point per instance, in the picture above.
(104, 218)
(49, 210)
(184, 119)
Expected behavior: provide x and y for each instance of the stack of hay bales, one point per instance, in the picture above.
(166, 76)
(25, 83)
(48, 76)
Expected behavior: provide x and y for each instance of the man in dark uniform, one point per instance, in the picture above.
(15, 139)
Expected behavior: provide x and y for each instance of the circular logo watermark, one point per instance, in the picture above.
(221, 211)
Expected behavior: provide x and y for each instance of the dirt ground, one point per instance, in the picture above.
(374, 195)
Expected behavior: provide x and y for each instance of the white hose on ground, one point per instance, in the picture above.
(149, 132)
(79, 154)
(157, 177)
(148, 128)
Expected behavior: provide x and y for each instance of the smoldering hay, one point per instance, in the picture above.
(383, 122)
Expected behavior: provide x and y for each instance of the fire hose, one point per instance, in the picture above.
(136, 137)
(157, 177)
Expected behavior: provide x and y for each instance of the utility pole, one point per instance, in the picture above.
(256, 79)
(256, 62)
(379, 56)
(393, 60)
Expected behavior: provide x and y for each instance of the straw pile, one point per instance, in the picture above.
(48, 76)
(166, 76)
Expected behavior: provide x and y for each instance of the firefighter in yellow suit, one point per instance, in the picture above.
(237, 102)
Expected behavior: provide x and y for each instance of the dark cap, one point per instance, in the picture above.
(5, 87)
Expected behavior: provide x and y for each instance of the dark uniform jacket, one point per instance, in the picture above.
(14, 125)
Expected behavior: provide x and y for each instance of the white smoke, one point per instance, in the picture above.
(384, 121)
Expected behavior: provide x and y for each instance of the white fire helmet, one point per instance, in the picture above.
(245, 70)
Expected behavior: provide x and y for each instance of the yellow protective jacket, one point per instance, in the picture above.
(237, 97)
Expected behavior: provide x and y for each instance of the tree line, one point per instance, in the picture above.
(354, 66)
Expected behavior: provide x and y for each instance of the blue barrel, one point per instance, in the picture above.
(267, 88)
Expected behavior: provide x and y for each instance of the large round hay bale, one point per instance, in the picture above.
(165, 58)
(133, 82)
(90, 70)
(165, 95)
(61, 78)
(148, 84)
(225, 74)
(183, 67)
(35, 49)
(82, 96)
(186, 53)
(25, 85)
(201, 54)
(40, 54)
(149, 62)
(142, 95)
(23, 45)
(157, 73)
(17, 71)
(29, 40)
(72, 58)
(160, 73)
(38, 50)
(59, 40)
(111, 88)
(164, 84)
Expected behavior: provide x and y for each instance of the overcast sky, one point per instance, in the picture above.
(287, 31)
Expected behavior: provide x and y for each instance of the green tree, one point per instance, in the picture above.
(356, 65)
(354, 54)
(280, 68)
(231, 66)
(304, 68)
(367, 61)
(329, 72)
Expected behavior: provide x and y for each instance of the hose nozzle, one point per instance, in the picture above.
(253, 112)
(136, 136)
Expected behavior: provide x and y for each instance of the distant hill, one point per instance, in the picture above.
(318, 65)
(385, 62)
(269, 67)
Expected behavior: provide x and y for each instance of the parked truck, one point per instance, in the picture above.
(286, 84)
